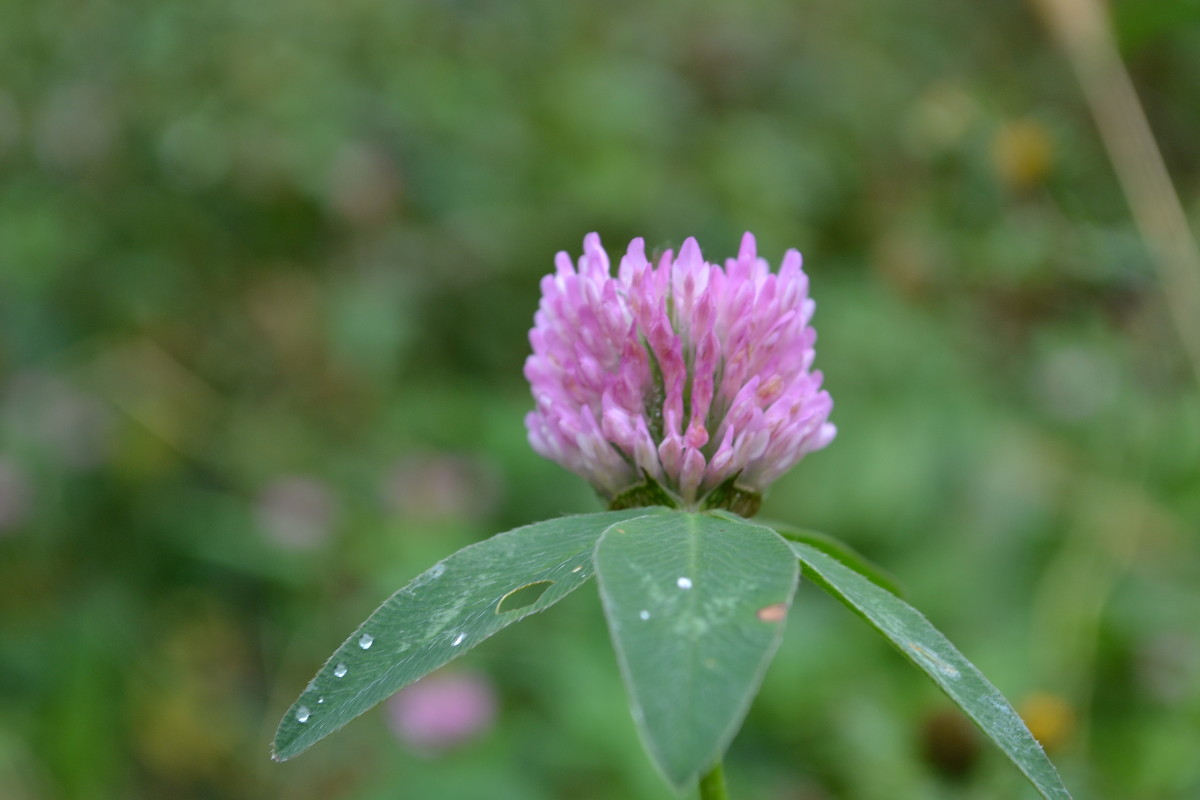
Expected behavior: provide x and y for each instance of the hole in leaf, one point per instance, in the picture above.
(523, 596)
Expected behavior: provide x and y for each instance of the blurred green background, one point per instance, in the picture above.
(266, 273)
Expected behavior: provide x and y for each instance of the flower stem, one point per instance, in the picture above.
(712, 785)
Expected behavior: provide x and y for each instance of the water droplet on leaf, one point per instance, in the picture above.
(458, 640)
(684, 583)
(644, 614)
(302, 714)
(365, 641)
(340, 671)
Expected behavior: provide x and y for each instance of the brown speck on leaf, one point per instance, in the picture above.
(776, 612)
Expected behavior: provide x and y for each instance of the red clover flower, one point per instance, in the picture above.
(683, 383)
(677, 383)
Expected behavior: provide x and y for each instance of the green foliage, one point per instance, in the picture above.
(695, 606)
(444, 612)
(838, 550)
(928, 649)
(266, 274)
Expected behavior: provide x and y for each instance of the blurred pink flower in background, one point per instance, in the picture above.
(77, 126)
(296, 512)
(16, 496)
(433, 486)
(364, 185)
(52, 414)
(442, 710)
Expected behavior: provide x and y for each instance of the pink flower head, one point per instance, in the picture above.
(681, 376)
(442, 710)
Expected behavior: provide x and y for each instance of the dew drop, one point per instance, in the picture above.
(320, 700)
(577, 568)
(340, 671)
(458, 640)
(302, 714)
(684, 583)
(643, 615)
(365, 641)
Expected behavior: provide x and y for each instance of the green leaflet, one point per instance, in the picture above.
(838, 550)
(695, 605)
(441, 614)
(925, 646)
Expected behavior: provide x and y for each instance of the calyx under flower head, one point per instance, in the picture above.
(681, 378)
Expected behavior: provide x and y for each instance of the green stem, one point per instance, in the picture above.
(712, 785)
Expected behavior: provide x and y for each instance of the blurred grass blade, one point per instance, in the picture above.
(925, 646)
(695, 604)
(441, 614)
(840, 551)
